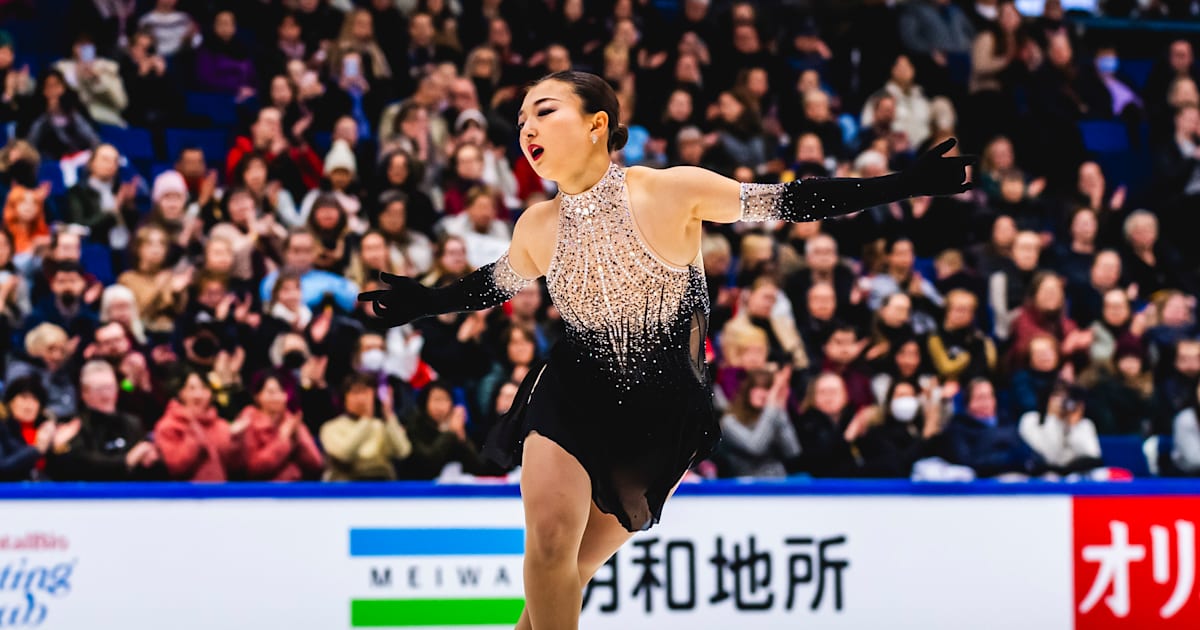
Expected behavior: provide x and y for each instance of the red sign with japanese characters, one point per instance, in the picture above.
(1135, 563)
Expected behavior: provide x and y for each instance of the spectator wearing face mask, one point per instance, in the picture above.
(911, 430)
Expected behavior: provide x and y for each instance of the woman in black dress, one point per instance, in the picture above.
(607, 428)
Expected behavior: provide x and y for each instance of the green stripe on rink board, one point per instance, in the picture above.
(401, 613)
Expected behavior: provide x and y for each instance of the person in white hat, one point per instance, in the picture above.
(341, 177)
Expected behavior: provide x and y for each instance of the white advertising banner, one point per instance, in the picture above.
(714, 562)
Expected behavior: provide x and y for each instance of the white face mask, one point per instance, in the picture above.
(905, 408)
(372, 360)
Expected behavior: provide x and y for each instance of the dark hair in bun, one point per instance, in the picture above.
(597, 96)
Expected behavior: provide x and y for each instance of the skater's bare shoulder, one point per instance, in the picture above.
(696, 193)
(533, 239)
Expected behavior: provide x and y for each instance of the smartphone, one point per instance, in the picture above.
(350, 67)
(87, 53)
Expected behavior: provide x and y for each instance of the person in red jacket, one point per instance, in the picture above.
(291, 161)
(195, 443)
(276, 444)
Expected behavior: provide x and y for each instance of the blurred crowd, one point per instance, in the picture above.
(196, 191)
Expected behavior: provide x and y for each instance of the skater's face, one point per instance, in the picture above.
(556, 133)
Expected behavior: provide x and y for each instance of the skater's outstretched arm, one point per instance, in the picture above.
(713, 197)
(493, 284)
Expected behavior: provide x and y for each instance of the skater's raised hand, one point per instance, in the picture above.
(935, 174)
(404, 300)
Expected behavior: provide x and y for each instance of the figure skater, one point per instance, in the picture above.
(607, 428)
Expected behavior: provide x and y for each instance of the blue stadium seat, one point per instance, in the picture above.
(322, 140)
(134, 143)
(214, 143)
(1137, 71)
(1125, 451)
(218, 108)
(50, 171)
(97, 259)
(1104, 136)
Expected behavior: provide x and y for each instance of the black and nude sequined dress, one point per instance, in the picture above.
(625, 390)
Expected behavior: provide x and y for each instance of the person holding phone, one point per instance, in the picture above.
(1061, 433)
(96, 80)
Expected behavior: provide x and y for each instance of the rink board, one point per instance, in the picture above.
(726, 555)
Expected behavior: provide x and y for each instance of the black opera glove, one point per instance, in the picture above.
(406, 300)
(820, 198)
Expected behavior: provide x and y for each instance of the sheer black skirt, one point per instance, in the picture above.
(635, 444)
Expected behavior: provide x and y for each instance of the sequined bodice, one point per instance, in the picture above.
(641, 317)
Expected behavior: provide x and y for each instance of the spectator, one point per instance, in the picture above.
(277, 444)
(14, 290)
(994, 49)
(1087, 300)
(911, 430)
(976, 438)
(438, 431)
(360, 445)
(25, 433)
(25, 223)
(1062, 434)
(1008, 286)
(759, 437)
(960, 352)
(292, 162)
(517, 352)
(103, 203)
(1185, 453)
(1148, 262)
(1119, 400)
(396, 175)
(161, 293)
(252, 175)
(841, 352)
(372, 257)
(1175, 388)
(911, 106)
(299, 255)
(340, 183)
(194, 442)
(96, 80)
(222, 63)
(15, 83)
(1044, 312)
(450, 262)
(173, 31)
(744, 348)
(900, 276)
(330, 225)
(404, 243)
(59, 128)
(940, 35)
(1116, 325)
(101, 443)
(828, 428)
(65, 306)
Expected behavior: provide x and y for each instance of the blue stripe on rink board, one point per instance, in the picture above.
(437, 542)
